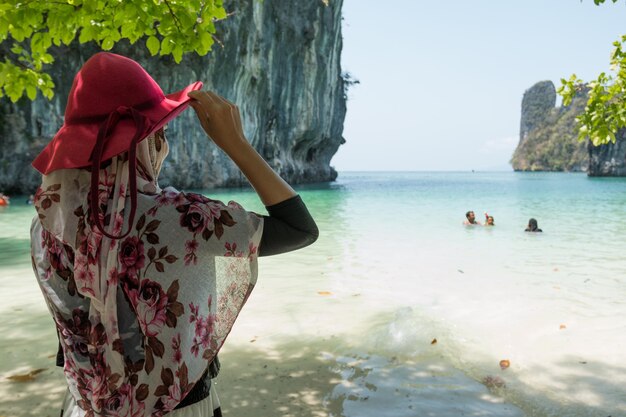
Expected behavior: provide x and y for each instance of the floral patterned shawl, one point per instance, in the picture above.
(139, 318)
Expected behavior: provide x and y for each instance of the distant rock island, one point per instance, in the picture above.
(549, 138)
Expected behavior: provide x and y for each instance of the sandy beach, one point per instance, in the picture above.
(286, 371)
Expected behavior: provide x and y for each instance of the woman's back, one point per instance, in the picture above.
(183, 274)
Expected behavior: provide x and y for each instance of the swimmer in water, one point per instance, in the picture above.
(470, 219)
(532, 226)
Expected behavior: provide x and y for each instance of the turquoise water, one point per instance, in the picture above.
(394, 269)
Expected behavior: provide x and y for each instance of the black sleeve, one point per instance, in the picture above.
(60, 358)
(288, 227)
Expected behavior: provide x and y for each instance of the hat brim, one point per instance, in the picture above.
(71, 147)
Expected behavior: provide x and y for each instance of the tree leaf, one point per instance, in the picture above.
(153, 45)
(31, 92)
(177, 53)
(107, 44)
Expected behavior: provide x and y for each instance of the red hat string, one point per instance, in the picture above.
(96, 156)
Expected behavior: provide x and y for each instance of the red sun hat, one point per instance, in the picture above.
(113, 105)
(106, 92)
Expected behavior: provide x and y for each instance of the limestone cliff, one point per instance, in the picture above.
(280, 63)
(548, 136)
(608, 160)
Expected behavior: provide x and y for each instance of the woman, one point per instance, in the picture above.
(489, 220)
(533, 226)
(143, 283)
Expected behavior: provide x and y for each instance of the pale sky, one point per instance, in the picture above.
(441, 82)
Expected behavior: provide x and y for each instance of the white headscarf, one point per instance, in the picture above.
(141, 317)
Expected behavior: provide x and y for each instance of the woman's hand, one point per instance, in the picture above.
(219, 118)
(221, 121)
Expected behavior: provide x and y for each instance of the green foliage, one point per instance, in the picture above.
(605, 112)
(28, 29)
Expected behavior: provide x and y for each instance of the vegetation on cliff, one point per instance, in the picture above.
(548, 134)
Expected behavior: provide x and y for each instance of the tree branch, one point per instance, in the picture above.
(176, 21)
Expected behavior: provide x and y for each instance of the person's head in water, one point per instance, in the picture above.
(471, 217)
(489, 221)
(533, 226)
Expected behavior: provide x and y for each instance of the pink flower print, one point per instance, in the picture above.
(191, 245)
(204, 331)
(54, 250)
(215, 210)
(231, 250)
(92, 246)
(75, 331)
(83, 275)
(123, 403)
(173, 398)
(235, 205)
(105, 185)
(194, 219)
(166, 197)
(194, 312)
(113, 277)
(191, 258)
(38, 195)
(252, 251)
(131, 255)
(47, 274)
(199, 213)
(190, 248)
(119, 223)
(176, 348)
(150, 302)
(97, 383)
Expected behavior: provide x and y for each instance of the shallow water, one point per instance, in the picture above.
(394, 269)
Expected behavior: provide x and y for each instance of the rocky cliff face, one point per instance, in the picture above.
(548, 136)
(608, 160)
(280, 63)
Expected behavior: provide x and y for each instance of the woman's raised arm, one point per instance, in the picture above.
(220, 119)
